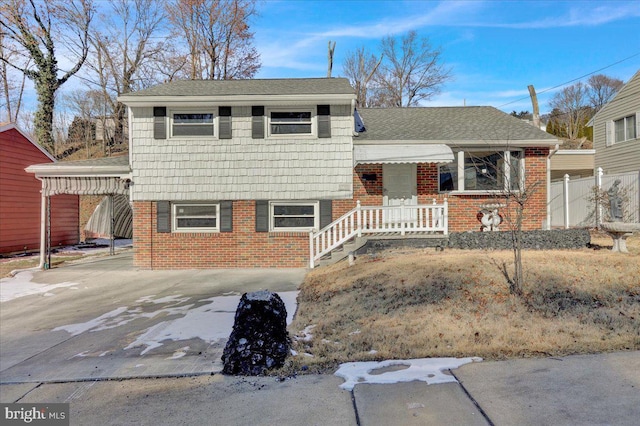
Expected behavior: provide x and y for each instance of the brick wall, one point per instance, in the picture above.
(242, 248)
(463, 208)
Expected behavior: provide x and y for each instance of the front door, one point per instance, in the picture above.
(399, 182)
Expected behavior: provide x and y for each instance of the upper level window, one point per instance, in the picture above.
(290, 122)
(192, 124)
(625, 128)
(483, 171)
(195, 217)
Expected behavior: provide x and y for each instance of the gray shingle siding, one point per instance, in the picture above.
(241, 168)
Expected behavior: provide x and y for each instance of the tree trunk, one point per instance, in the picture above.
(46, 87)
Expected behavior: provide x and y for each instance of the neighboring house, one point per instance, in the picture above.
(616, 130)
(577, 163)
(245, 173)
(106, 127)
(20, 198)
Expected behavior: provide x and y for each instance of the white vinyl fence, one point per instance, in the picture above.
(572, 205)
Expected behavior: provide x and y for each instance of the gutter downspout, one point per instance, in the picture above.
(551, 154)
(43, 225)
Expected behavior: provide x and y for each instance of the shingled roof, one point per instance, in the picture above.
(481, 123)
(266, 87)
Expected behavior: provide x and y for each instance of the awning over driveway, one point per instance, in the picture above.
(80, 185)
(397, 154)
(99, 176)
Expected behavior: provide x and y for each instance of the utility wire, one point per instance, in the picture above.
(575, 79)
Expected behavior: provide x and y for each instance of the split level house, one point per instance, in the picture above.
(280, 172)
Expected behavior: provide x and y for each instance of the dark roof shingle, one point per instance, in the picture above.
(262, 87)
(446, 124)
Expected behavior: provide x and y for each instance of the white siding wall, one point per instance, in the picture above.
(623, 156)
(242, 168)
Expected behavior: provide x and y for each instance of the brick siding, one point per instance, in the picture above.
(242, 248)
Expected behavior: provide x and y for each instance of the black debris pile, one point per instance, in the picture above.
(259, 340)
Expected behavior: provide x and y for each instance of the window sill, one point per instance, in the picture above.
(195, 231)
(492, 192)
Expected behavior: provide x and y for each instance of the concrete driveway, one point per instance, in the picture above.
(103, 318)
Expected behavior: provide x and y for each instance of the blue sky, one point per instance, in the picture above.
(495, 48)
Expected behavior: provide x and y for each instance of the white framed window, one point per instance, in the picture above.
(196, 217)
(192, 124)
(483, 171)
(624, 129)
(291, 122)
(293, 215)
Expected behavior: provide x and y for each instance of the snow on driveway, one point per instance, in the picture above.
(22, 285)
(210, 322)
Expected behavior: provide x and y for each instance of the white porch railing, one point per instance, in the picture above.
(402, 219)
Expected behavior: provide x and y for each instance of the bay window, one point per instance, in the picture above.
(483, 170)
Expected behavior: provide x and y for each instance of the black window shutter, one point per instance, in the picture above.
(324, 121)
(163, 216)
(159, 125)
(326, 213)
(262, 216)
(257, 122)
(226, 216)
(224, 119)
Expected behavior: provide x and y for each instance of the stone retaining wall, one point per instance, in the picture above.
(536, 240)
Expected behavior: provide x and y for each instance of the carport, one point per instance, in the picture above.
(107, 176)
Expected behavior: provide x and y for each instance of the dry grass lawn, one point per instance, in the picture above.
(414, 303)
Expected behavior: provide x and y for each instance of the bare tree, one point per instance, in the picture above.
(412, 71)
(218, 37)
(87, 106)
(572, 102)
(601, 89)
(11, 90)
(502, 173)
(39, 29)
(122, 49)
(359, 67)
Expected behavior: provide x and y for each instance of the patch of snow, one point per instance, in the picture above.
(104, 353)
(429, 370)
(373, 352)
(79, 328)
(306, 334)
(167, 299)
(21, 285)
(81, 355)
(179, 353)
(355, 332)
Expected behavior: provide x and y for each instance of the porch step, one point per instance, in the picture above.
(384, 241)
(343, 251)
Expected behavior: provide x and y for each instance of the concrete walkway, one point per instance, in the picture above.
(109, 382)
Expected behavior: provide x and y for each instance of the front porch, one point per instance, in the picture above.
(378, 222)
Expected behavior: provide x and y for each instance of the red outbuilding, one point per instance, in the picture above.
(20, 197)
